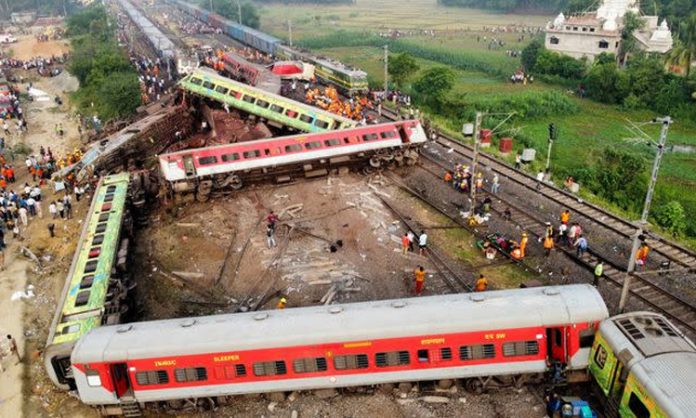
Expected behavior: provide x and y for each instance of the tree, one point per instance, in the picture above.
(401, 68)
(684, 51)
(119, 95)
(631, 23)
(620, 178)
(530, 54)
(230, 9)
(672, 217)
(605, 83)
(433, 85)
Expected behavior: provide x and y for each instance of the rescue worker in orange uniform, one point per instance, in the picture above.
(481, 283)
(448, 177)
(548, 245)
(282, 303)
(405, 243)
(420, 280)
(565, 216)
(523, 244)
(516, 253)
(642, 255)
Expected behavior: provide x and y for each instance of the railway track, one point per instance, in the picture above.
(652, 295)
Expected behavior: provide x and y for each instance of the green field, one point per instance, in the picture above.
(582, 134)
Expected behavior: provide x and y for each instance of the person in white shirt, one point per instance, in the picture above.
(422, 242)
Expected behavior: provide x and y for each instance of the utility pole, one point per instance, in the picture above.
(386, 70)
(290, 31)
(666, 121)
(474, 160)
(211, 5)
(239, 11)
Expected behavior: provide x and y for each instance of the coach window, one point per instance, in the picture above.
(332, 142)
(638, 407)
(158, 377)
(309, 365)
(207, 160)
(313, 145)
(191, 374)
(234, 94)
(262, 103)
(520, 348)
(208, 85)
(352, 140)
(108, 197)
(445, 353)
(86, 282)
(388, 135)
(276, 108)
(104, 217)
(306, 119)
(91, 266)
(293, 148)
(93, 378)
(476, 352)
(70, 329)
(600, 356)
(248, 99)
(369, 137)
(351, 361)
(100, 228)
(423, 356)
(392, 358)
(196, 81)
(230, 157)
(291, 114)
(82, 298)
(221, 89)
(240, 370)
(252, 154)
(321, 124)
(270, 368)
(98, 239)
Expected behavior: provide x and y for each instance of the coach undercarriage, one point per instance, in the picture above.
(476, 385)
(365, 162)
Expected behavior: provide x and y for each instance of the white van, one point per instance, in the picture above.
(6, 38)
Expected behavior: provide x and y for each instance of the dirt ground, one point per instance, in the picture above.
(27, 47)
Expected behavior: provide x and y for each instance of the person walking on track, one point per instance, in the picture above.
(420, 280)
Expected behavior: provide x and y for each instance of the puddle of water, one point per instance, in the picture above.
(684, 149)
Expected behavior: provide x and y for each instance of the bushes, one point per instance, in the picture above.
(552, 63)
(528, 104)
(671, 217)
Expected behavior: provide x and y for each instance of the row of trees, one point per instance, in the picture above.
(109, 85)
(674, 10)
(230, 9)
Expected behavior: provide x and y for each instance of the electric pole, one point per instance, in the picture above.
(211, 5)
(239, 11)
(290, 31)
(474, 160)
(666, 121)
(386, 70)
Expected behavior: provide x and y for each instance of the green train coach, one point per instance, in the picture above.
(644, 367)
(92, 294)
(278, 110)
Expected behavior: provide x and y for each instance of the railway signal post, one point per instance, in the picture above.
(666, 121)
(386, 71)
(553, 134)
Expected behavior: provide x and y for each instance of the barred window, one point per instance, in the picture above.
(445, 353)
(270, 368)
(520, 348)
(306, 119)
(388, 135)
(293, 148)
(190, 374)
(196, 81)
(262, 103)
(221, 89)
(313, 145)
(230, 157)
(332, 142)
(350, 361)
(208, 85)
(309, 365)
(252, 154)
(369, 137)
(276, 108)
(322, 124)
(248, 99)
(207, 160)
(392, 358)
(476, 352)
(157, 377)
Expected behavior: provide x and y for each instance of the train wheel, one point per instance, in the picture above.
(235, 182)
(474, 386)
(375, 162)
(368, 170)
(411, 160)
(202, 197)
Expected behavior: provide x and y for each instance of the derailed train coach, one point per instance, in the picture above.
(489, 338)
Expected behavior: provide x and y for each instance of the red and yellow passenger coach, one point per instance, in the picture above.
(465, 336)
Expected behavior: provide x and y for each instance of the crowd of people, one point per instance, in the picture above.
(152, 77)
(329, 100)
(45, 66)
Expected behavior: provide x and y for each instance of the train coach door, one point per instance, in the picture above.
(119, 373)
(556, 341)
(404, 134)
(189, 167)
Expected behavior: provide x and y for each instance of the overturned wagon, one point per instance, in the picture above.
(229, 166)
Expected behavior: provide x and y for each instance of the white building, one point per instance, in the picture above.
(589, 34)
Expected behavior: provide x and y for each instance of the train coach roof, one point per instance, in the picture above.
(671, 380)
(503, 309)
